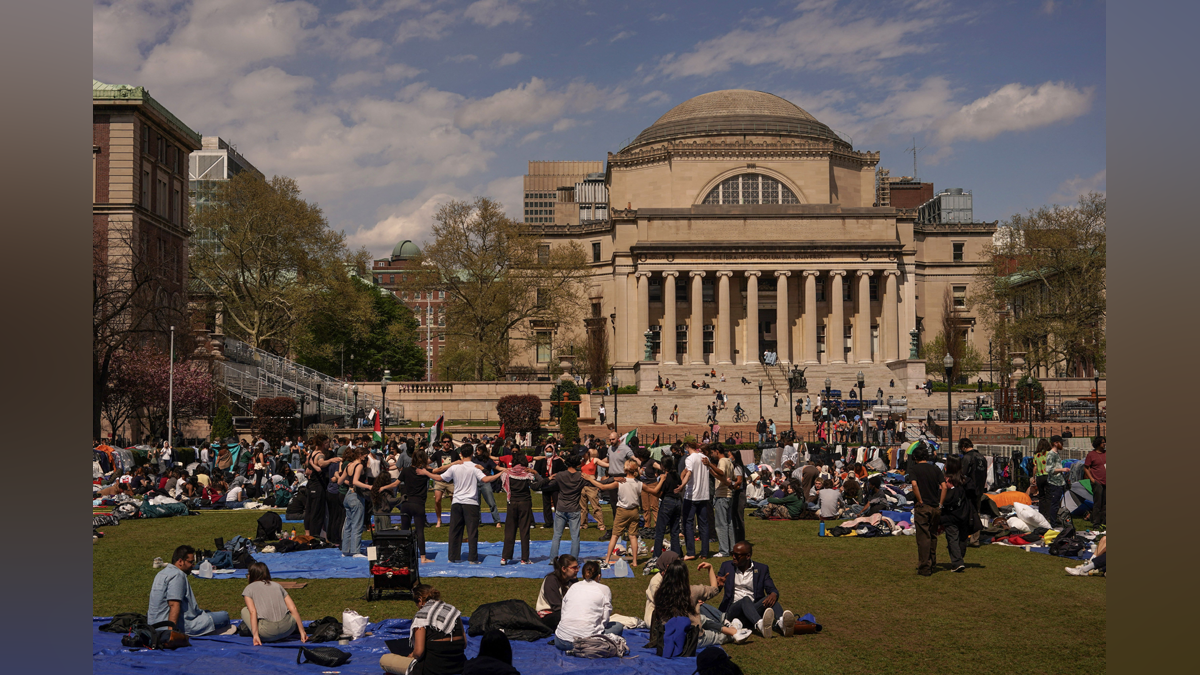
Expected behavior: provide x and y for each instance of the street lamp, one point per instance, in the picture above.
(319, 416)
(948, 363)
(862, 410)
(355, 390)
(760, 386)
(990, 381)
(383, 405)
(303, 401)
(1096, 377)
(616, 386)
(828, 407)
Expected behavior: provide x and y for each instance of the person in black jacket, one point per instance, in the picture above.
(959, 517)
(546, 466)
(974, 474)
(751, 597)
(519, 485)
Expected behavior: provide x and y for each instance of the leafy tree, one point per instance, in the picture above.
(569, 424)
(222, 426)
(269, 259)
(519, 413)
(498, 277)
(141, 379)
(1045, 290)
(967, 360)
(358, 319)
(273, 417)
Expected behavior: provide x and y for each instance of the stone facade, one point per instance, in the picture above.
(740, 224)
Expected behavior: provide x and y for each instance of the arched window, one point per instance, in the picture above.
(751, 188)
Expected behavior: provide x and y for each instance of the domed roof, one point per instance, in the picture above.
(405, 250)
(735, 111)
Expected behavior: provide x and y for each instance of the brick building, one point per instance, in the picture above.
(429, 307)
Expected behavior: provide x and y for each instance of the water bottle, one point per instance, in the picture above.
(821, 529)
(206, 570)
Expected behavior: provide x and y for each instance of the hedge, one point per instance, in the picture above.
(519, 413)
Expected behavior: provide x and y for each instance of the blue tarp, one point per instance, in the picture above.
(329, 563)
(233, 654)
(898, 516)
(431, 518)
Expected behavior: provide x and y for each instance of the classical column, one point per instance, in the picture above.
(751, 356)
(835, 335)
(889, 332)
(667, 333)
(723, 318)
(633, 338)
(621, 309)
(783, 325)
(809, 313)
(696, 330)
(643, 283)
(862, 330)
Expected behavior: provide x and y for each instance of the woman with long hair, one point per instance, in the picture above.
(959, 517)
(670, 507)
(678, 597)
(554, 587)
(586, 608)
(589, 501)
(519, 484)
(437, 644)
(737, 488)
(269, 610)
(414, 481)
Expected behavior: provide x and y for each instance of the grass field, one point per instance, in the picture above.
(1010, 612)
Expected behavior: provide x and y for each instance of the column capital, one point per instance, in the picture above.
(891, 273)
(724, 273)
(865, 273)
(643, 273)
(695, 274)
(811, 273)
(783, 273)
(753, 273)
(837, 273)
(670, 273)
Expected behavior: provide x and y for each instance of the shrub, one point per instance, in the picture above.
(627, 389)
(519, 413)
(222, 426)
(273, 418)
(568, 424)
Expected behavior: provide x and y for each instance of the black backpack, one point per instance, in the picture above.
(327, 629)
(328, 657)
(123, 622)
(269, 526)
(974, 471)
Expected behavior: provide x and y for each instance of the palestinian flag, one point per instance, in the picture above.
(378, 434)
(435, 432)
(628, 437)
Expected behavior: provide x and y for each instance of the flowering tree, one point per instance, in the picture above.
(141, 381)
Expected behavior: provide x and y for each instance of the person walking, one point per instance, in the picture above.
(761, 429)
(927, 483)
(602, 412)
(654, 412)
(1095, 467)
(776, 398)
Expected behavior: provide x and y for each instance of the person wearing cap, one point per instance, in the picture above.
(750, 596)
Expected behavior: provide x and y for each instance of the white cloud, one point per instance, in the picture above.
(509, 59)
(661, 17)
(121, 29)
(564, 124)
(531, 136)
(815, 40)
(1070, 190)
(492, 13)
(432, 26)
(412, 219)
(461, 58)
(355, 80)
(361, 48)
(622, 35)
(1049, 6)
(535, 103)
(1015, 107)
(655, 97)
(401, 71)
(510, 192)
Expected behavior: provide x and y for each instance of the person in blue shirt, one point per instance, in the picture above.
(171, 599)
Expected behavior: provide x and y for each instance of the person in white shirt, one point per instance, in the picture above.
(586, 609)
(464, 507)
(696, 504)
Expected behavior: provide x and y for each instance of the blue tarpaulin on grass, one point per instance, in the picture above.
(431, 518)
(232, 654)
(329, 563)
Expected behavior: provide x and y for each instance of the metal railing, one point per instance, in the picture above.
(276, 376)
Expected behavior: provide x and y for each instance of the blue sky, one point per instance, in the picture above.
(385, 109)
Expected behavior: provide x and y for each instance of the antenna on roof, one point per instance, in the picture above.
(914, 150)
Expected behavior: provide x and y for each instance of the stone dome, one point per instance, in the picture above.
(735, 111)
(405, 250)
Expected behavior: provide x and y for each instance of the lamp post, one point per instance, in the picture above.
(1096, 377)
(990, 381)
(948, 364)
(616, 387)
(613, 317)
(319, 416)
(303, 401)
(760, 386)
(383, 405)
(828, 384)
(355, 390)
(862, 410)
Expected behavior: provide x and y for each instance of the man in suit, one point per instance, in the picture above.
(751, 599)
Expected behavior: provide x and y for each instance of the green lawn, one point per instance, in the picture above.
(1010, 612)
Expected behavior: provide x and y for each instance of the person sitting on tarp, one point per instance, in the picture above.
(495, 656)
(1097, 563)
(171, 599)
(269, 612)
(554, 587)
(750, 594)
(586, 609)
(437, 642)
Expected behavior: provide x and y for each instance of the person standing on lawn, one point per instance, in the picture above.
(927, 481)
(464, 506)
(1056, 480)
(959, 518)
(567, 486)
(1095, 467)
(696, 505)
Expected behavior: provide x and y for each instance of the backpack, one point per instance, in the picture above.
(975, 471)
(328, 657)
(159, 636)
(269, 526)
(602, 646)
(123, 622)
(325, 629)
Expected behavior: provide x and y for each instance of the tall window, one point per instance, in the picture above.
(751, 188)
(656, 289)
(681, 339)
(707, 292)
(175, 206)
(958, 252)
(710, 333)
(146, 190)
(820, 339)
(820, 290)
(543, 253)
(873, 283)
(596, 252)
(542, 338)
(960, 296)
